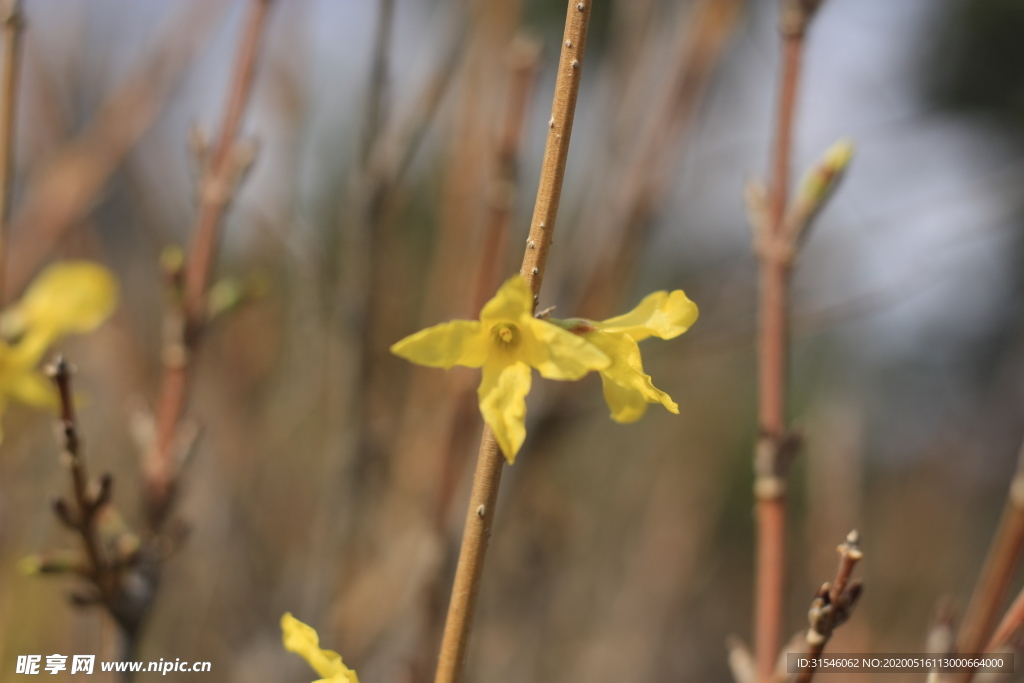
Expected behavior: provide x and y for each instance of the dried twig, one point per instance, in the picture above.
(995, 577)
(833, 604)
(111, 553)
(13, 24)
(1009, 626)
(490, 461)
(222, 173)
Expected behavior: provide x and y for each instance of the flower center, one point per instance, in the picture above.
(505, 334)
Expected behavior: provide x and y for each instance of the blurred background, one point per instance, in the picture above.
(395, 158)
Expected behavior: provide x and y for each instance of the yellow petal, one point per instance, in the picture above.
(557, 353)
(460, 342)
(68, 297)
(302, 640)
(626, 385)
(25, 354)
(627, 405)
(502, 394)
(661, 314)
(31, 388)
(513, 301)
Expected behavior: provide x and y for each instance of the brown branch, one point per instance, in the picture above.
(83, 516)
(996, 573)
(769, 463)
(222, 174)
(775, 247)
(13, 25)
(490, 461)
(1009, 626)
(103, 568)
(833, 604)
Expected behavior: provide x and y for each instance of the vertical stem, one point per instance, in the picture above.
(101, 570)
(772, 369)
(13, 24)
(996, 574)
(556, 150)
(217, 190)
(1009, 625)
(480, 515)
(479, 519)
(218, 195)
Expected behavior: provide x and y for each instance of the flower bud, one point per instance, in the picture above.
(823, 178)
(815, 189)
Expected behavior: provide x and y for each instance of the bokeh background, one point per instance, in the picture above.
(331, 477)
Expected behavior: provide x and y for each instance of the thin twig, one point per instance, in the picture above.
(833, 604)
(84, 515)
(104, 566)
(490, 461)
(1009, 626)
(775, 445)
(769, 464)
(223, 172)
(996, 574)
(13, 25)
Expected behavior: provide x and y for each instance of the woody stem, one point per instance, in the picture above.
(772, 369)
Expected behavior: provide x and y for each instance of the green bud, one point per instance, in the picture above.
(815, 189)
(823, 178)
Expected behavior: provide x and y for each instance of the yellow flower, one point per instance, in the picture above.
(302, 640)
(627, 389)
(66, 298)
(506, 342)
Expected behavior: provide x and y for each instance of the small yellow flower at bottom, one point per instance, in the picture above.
(302, 640)
(506, 342)
(627, 388)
